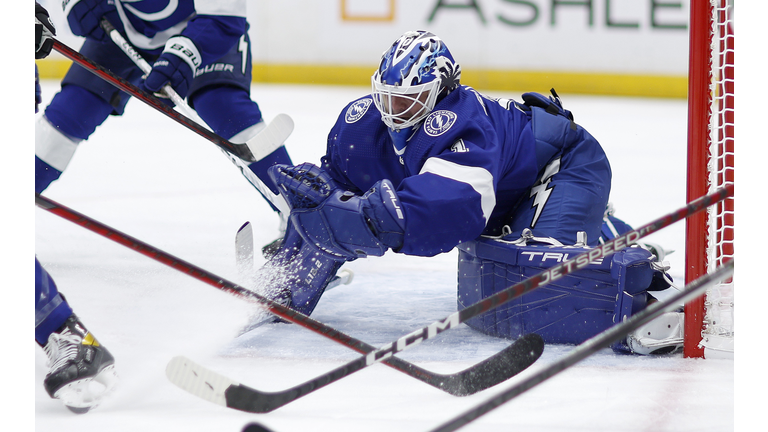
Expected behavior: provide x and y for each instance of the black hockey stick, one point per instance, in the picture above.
(240, 150)
(487, 373)
(217, 388)
(591, 346)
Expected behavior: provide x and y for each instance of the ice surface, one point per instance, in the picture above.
(151, 178)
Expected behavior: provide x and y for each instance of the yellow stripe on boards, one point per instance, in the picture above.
(609, 84)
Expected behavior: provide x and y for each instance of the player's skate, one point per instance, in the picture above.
(82, 371)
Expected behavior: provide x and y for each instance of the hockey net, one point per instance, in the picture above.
(709, 324)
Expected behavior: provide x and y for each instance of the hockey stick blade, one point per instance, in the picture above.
(272, 137)
(589, 347)
(214, 387)
(244, 249)
(451, 384)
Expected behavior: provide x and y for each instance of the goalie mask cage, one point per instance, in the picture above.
(709, 322)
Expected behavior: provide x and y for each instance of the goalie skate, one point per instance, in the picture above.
(82, 371)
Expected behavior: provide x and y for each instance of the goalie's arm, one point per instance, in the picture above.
(341, 224)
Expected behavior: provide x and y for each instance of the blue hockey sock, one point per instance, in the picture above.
(279, 156)
(227, 110)
(51, 310)
(44, 175)
(76, 112)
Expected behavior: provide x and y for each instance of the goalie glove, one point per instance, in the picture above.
(340, 224)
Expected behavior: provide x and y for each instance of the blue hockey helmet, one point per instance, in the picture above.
(414, 73)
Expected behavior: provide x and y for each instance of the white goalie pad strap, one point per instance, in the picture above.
(664, 331)
(284, 210)
(52, 146)
(185, 49)
(479, 178)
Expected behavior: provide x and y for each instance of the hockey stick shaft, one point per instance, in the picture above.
(591, 346)
(459, 384)
(238, 150)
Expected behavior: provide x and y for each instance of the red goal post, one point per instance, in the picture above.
(709, 236)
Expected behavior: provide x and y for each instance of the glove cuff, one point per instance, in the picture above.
(387, 215)
(185, 49)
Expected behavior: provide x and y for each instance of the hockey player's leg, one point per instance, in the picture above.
(82, 371)
(72, 117)
(231, 113)
(51, 311)
(570, 196)
(221, 96)
(83, 103)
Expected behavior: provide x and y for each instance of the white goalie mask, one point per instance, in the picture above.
(414, 73)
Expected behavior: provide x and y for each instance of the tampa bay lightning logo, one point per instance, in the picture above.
(438, 122)
(357, 110)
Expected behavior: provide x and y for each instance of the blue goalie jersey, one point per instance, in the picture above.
(472, 167)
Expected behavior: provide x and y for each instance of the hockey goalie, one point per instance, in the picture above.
(423, 165)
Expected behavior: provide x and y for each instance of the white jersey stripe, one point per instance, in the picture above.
(479, 178)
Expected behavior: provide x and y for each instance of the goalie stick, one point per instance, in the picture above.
(487, 373)
(248, 399)
(589, 347)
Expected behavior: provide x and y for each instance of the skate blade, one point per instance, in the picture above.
(85, 394)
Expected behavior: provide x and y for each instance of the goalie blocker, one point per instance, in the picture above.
(575, 307)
